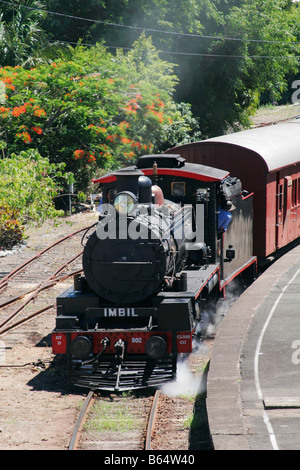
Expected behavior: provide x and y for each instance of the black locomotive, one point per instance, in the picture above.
(169, 235)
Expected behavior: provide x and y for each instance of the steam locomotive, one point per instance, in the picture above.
(170, 234)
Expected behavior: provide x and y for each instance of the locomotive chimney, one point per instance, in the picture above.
(127, 180)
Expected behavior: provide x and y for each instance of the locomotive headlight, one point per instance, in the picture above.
(81, 347)
(124, 203)
(156, 347)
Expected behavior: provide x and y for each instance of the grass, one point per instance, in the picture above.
(110, 416)
(196, 419)
(193, 422)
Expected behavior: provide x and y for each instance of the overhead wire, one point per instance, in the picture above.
(140, 28)
(225, 56)
(190, 35)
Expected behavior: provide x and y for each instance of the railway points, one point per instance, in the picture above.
(253, 388)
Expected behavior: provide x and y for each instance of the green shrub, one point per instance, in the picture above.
(11, 229)
(28, 185)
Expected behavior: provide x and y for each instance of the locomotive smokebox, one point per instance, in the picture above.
(124, 271)
(136, 244)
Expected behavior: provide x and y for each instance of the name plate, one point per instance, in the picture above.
(122, 312)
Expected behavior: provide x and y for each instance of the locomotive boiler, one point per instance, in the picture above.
(138, 246)
(170, 234)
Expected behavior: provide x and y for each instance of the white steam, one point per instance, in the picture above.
(184, 384)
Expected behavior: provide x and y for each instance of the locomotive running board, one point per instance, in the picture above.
(129, 375)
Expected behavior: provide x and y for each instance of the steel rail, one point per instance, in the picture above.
(4, 280)
(81, 420)
(38, 312)
(275, 122)
(48, 283)
(151, 421)
(29, 317)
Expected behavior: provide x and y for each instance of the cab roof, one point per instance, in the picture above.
(172, 165)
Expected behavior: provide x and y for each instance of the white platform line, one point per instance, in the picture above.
(256, 362)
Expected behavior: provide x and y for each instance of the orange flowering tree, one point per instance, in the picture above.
(95, 113)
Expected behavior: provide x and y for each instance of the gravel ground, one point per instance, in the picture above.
(38, 408)
(268, 115)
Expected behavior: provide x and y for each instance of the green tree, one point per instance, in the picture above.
(95, 113)
(225, 87)
(68, 28)
(223, 79)
(22, 39)
(28, 185)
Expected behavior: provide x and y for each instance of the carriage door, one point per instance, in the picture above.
(279, 211)
(284, 213)
(294, 209)
(287, 210)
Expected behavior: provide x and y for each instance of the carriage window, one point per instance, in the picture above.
(295, 193)
(280, 198)
(178, 189)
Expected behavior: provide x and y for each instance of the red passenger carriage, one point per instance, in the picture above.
(267, 160)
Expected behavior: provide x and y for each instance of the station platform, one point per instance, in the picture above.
(253, 383)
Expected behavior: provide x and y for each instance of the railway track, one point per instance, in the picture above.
(33, 414)
(21, 267)
(31, 296)
(161, 422)
(143, 443)
(25, 283)
(150, 420)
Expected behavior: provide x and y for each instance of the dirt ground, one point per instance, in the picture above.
(267, 115)
(38, 408)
